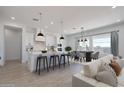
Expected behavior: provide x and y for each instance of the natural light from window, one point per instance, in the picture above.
(102, 43)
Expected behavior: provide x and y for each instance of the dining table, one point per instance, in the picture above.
(88, 55)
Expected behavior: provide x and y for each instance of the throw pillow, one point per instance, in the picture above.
(117, 60)
(107, 77)
(106, 67)
(116, 68)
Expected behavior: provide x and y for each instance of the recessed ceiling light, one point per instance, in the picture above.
(51, 23)
(46, 27)
(74, 28)
(114, 7)
(13, 18)
(118, 20)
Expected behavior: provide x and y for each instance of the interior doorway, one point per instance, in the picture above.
(13, 43)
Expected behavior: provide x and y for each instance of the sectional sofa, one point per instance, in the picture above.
(86, 78)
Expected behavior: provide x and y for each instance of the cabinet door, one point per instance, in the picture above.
(51, 41)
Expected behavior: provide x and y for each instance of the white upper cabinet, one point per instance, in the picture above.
(51, 40)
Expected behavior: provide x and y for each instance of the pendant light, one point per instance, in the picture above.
(40, 34)
(85, 40)
(81, 37)
(62, 37)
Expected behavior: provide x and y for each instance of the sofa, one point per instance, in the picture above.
(86, 77)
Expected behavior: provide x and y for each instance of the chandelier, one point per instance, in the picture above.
(82, 39)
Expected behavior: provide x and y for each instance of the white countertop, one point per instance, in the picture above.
(40, 53)
(32, 58)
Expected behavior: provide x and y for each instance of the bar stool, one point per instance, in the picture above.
(44, 60)
(54, 58)
(68, 55)
(64, 57)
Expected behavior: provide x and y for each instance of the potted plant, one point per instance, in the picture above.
(68, 49)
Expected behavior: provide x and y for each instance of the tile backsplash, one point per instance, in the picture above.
(39, 46)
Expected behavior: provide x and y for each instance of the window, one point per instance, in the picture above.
(102, 43)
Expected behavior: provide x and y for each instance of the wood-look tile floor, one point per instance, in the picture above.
(15, 74)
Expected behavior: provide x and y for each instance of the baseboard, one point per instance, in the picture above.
(13, 60)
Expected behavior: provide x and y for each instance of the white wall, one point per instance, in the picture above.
(71, 38)
(71, 41)
(13, 44)
(51, 40)
(28, 37)
(2, 44)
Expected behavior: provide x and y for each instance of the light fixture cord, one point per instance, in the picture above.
(82, 32)
(40, 20)
(61, 27)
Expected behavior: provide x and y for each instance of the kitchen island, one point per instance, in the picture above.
(32, 59)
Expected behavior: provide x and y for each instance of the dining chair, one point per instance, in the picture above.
(95, 55)
(82, 56)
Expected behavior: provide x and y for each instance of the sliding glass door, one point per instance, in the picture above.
(102, 43)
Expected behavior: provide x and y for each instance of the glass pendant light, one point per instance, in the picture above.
(85, 40)
(82, 40)
(40, 34)
(81, 37)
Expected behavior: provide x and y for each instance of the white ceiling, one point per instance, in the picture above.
(89, 17)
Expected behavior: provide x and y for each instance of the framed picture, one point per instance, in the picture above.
(59, 45)
(59, 49)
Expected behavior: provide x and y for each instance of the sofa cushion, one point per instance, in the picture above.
(107, 59)
(80, 80)
(107, 77)
(106, 67)
(121, 78)
(86, 70)
(119, 61)
(116, 67)
(90, 69)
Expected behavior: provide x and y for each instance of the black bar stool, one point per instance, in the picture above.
(68, 55)
(54, 58)
(64, 59)
(44, 60)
